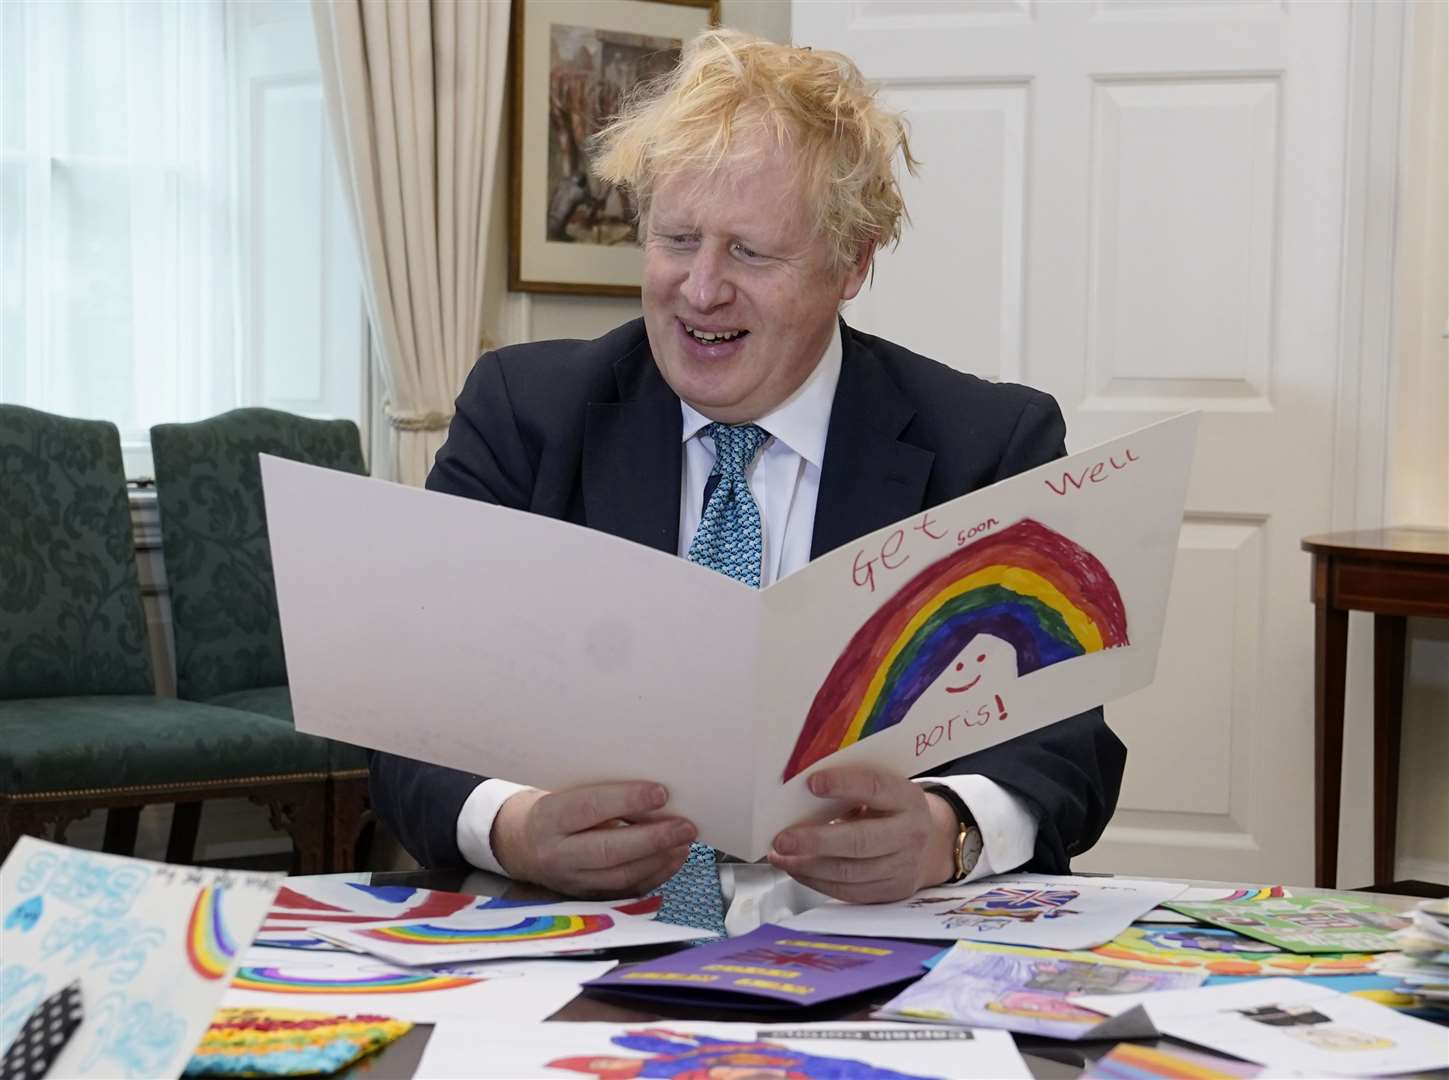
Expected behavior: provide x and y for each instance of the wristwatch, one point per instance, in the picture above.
(968, 837)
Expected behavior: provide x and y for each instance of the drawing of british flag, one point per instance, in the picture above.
(1024, 904)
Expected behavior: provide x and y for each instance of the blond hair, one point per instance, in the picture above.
(728, 90)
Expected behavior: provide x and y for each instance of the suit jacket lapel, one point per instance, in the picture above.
(870, 478)
(633, 456)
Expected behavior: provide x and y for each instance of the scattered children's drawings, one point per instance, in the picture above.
(770, 963)
(1223, 952)
(1285, 1024)
(340, 982)
(1055, 912)
(1129, 1062)
(1305, 924)
(150, 946)
(686, 1050)
(1031, 991)
(1204, 893)
(960, 627)
(510, 932)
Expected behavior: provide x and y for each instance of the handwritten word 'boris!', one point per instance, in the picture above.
(1095, 473)
(984, 715)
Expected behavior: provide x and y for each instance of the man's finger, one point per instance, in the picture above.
(846, 871)
(577, 809)
(875, 892)
(854, 838)
(638, 877)
(877, 790)
(612, 846)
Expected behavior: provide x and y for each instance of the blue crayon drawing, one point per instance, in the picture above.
(24, 915)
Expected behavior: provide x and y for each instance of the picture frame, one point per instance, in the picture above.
(572, 62)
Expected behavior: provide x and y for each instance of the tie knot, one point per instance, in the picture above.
(735, 446)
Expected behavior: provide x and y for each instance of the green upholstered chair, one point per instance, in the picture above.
(219, 574)
(80, 726)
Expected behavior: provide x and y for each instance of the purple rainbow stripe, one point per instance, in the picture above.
(1036, 628)
(534, 928)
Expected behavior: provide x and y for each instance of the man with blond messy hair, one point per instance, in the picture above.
(765, 178)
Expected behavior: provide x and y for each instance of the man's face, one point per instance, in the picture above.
(739, 298)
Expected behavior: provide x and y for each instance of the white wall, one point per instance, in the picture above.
(1419, 446)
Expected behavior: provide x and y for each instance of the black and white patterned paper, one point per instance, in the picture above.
(44, 1035)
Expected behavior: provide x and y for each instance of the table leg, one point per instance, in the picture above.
(1389, 632)
(1330, 666)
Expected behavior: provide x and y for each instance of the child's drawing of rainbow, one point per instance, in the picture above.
(209, 948)
(534, 928)
(277, 981)
(1030, 586)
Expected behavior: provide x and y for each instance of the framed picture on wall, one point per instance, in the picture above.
(573, 63)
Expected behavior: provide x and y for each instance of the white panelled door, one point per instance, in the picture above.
(1136, 206)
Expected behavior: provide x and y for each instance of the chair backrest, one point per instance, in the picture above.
(71, 621)
(214, 538)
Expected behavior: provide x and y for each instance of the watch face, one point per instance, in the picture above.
(971, 845)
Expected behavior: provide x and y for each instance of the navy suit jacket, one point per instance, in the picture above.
(589, 432)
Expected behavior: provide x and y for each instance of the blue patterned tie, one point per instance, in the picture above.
(729, 540)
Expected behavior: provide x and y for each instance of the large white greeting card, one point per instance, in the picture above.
(139, 953)
(534, 650)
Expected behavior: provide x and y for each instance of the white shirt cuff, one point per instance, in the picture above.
(475, 822)
(1008, 828)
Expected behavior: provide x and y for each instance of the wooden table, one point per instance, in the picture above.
(1393, 573)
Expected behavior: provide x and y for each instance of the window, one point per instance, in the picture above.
(175, 242)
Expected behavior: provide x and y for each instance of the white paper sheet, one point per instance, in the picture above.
(875, 1051)
(1286, 1024)
(496, 935)
(522, 647)
(523, 991)
(1047, 911)
(151, 945)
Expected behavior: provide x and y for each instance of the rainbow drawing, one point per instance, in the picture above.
(278, 981)
(535, 928)
(209, 948)
(1030, 586)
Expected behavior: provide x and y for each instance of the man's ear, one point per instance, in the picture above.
(855, 276)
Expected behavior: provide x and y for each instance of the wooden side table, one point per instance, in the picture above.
(1393, 573)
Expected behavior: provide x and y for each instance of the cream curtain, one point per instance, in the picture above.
(414, 94)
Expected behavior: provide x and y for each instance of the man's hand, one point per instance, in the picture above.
(597, 840)
(898, 839)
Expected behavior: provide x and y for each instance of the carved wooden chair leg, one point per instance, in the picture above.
(348, 804)
(121, 825)
(300, 810)
(185, 823)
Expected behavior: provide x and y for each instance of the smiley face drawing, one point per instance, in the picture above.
(982, 670)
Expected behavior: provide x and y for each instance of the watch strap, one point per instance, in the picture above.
(969, 842)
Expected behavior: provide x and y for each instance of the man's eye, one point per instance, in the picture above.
(679, 240)
(747, 253)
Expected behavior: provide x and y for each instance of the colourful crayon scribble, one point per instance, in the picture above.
(1222, 952)
(535, 928)
(209, 948)
(1046, 596)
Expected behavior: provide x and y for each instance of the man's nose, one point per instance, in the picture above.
(708, 284)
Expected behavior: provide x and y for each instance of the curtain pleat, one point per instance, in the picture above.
(414, 94)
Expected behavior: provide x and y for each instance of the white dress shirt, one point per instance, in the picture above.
(785, 481)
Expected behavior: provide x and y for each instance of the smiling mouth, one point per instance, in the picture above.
(712, 337)
(963, 689)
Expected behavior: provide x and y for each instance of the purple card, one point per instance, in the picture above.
(772, 962)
